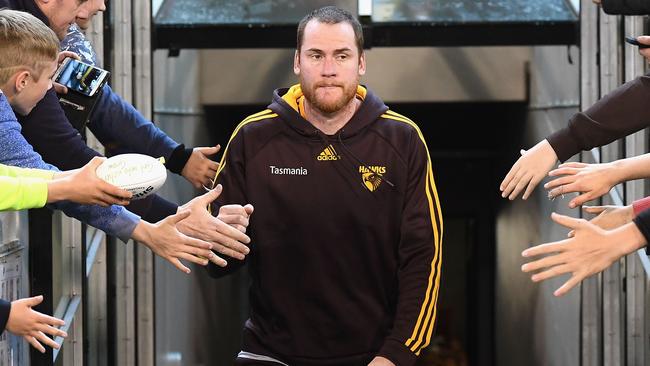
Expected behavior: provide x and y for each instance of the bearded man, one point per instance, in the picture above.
(346, 241)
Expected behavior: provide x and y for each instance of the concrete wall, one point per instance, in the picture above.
(532, 326)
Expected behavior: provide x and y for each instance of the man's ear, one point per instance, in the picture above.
(22, 78)
(296, 63)
(362, 63)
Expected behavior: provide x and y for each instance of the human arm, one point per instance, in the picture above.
(625, 7)
(19, 318)
(590, 251)
(420, 260)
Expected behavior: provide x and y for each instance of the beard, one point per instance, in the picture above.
(310, 92)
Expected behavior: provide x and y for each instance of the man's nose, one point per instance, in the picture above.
(329, 67)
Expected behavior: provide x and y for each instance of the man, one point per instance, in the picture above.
(347, 232)
(47, 129)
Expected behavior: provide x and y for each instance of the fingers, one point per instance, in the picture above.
(571, 234)
(193, 242)
(46, 319)
(545, 262)
(564, 171)
(585, 197)
(568, 285)
(560, 182)
(178, 217)
(573, 164)
(212, 195)
(543, 249)
(31, 340)
(594, 210)
(249, 209)
(218, 260)
(520, 186)
(64, 54)
(48, 329)
(644, 39)
(531, 186)
(209, 151)
(506, 181)
(550, 273)
(42, 338)
(235, 220)
(193, 259)
(59, 88)
(566, 221)
(177, 263)
(33, 301)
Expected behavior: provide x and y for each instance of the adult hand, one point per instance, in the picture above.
(609, 217)
(597, 2)
(166, 241)
(200, 224)
(59, 88)
(380, 361)
(83, 186)
(593, 180)
(236, 216)
(199, 169)
(528, 171)
(590, 251)
(645, 52)
(34, 326)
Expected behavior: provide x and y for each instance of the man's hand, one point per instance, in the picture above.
(33, 326)
(609, 217)
(590, 251)
(593, 180)
(166, 241)
(528, 171)
(380, 361)
(200, 224)
(61, 89)
(645, 52)
(236, 216)
(83, 186)
(597, 2)
(199, 169)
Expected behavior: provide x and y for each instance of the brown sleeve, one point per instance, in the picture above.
(618, 114)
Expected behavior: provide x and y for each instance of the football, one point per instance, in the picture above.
(139, 174)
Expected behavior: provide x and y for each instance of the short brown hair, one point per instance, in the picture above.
(25, 43)
(332, 15)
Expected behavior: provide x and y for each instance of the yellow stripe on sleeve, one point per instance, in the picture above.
(423, 330)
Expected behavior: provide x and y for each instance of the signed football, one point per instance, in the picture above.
(139, 174)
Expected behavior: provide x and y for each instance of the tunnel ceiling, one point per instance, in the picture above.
(426, 23)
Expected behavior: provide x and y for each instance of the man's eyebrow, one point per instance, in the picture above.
(345, 49)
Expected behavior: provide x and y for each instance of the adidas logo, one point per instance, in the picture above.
(329, 154)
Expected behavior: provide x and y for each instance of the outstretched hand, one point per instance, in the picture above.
(528, 171)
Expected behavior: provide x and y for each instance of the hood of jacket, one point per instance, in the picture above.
(287, 103)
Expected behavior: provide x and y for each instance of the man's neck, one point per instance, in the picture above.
(330, 123)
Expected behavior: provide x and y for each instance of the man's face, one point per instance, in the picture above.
(329, 65)
(62, 13)
(89, 9)
(31, 91)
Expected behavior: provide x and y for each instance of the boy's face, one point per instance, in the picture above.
(30, 91)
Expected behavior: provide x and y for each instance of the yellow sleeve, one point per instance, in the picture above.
(22, 193)
(14, 171)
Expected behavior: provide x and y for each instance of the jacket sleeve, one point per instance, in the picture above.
(5, 309)
(22, 193)
(618, 114)
(231, 175)
(116, 122)
(626, 7)
(18, 172)
(420, 259)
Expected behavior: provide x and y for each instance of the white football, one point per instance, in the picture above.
(139, 174)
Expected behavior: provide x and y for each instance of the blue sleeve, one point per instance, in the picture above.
(114, 121)
(114, 220)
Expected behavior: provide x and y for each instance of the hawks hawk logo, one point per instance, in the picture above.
(371, 176)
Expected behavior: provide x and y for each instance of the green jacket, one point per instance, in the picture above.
(22, 188)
